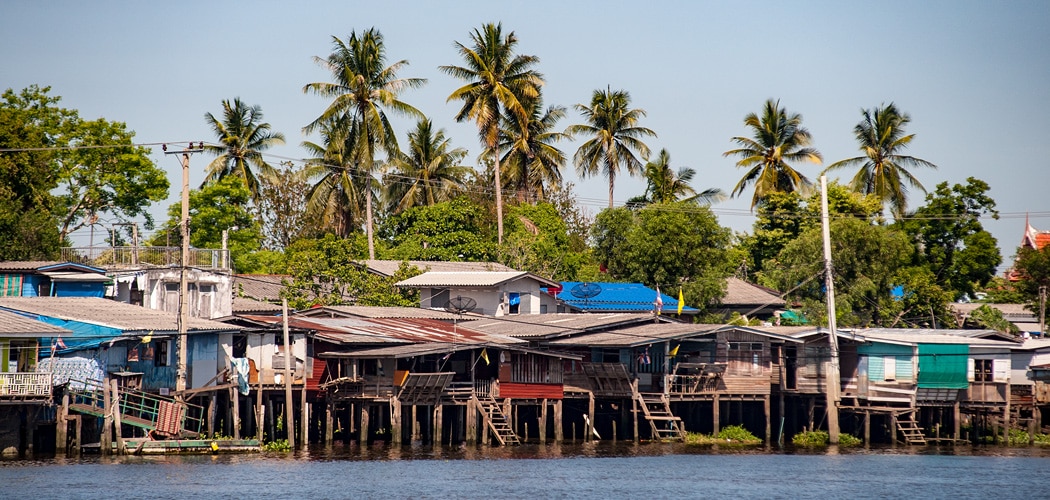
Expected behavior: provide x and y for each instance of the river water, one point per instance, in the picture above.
(591, 470)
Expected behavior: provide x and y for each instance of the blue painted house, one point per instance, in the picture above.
(51, 279)
(605, 297)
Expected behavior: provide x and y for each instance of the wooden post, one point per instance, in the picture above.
(471, 417)
(957, 420)
(542, 429)
(260, 416)
(62, 426)
(329, 422)
(893, 429)
(438, 424)
(867, 428)
(363, 437)
(715, 417)
(559, 423)
(614, 430)
(811, 410)
(78, 439)
(105, 441)
(769, 420)
(395, 421)
(116, 416)
(415, 424)
(1006, 416)
(304, 421)
(289, 413)
(269, 417)
(235, 398)
(211, 414)
(589, 428)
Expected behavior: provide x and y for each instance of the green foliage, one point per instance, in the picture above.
(986, 316)
(324, 272)
(280, 445)
(242, 137)
(1033, 269)
(537, 241)
(449, 231)
(811, 439)
(1001, 290)
(849, 440)
(951, 240)
(731, 435)
(666, 244)
(282, 208)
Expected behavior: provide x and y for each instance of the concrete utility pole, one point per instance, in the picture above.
(181, 370)
(833, 340)
(1042, 310)
(289, 415)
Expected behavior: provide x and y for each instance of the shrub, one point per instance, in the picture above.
(810, 439)
(733, 434)
(849, 440)
(280, 445)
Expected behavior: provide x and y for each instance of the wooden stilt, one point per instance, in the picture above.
(363, 438)
(542, 428)
(78, 440)
(811, 410)
(235, 397)
(415, 424)
(269, 418)
(559, 423)
(437, 425)
(116, 416)
(471, 423)
(105, 441)
(1006, 416)
(715, 417)
(304, 420)
(957, 420)
(62, 426)
(893, 429)
(867, 428)
(589, 429)
(395, 422)
(329, 422)
(260, 417)
(769, 419)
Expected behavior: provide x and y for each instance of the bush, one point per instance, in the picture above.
(810, 439)
(280, 445)
(850, 440)
(733, 434)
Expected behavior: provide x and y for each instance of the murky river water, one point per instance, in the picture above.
(595, 470)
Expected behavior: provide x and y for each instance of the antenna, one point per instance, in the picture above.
(458, 306)
(585, 291)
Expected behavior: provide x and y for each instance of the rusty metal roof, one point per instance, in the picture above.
(16, 325)
(413, 350)
(390, 331)
(105, 312)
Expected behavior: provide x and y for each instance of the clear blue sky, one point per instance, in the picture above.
(973, 75)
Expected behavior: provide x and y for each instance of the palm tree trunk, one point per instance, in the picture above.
(499, 196)
(368, 224)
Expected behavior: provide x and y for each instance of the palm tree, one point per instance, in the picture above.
(242, 139)
(429, 172)
(498, 80)
(666, 186)
(882, 167)
(615, 133)
(532, 161)
(335, 195)
(364, 88)
(778, 138)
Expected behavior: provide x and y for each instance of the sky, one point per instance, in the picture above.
(973, 75)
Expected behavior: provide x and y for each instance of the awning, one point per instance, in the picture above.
(75, 276)
(943, 366)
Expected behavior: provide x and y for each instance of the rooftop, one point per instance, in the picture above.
(469, 279)
(389, 267)
(105, 312)
(12, 324)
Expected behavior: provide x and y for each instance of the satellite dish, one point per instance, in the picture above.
(461, 305)
(585, 290)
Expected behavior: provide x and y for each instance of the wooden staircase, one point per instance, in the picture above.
(496, 420)
(911, 431)
(140, 409)
(657, 410)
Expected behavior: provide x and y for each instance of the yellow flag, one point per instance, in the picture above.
(681, 301)
(674, 352)
(148, 337)
(485, 355)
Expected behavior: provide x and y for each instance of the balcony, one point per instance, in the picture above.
(25, 386)
(111, 258)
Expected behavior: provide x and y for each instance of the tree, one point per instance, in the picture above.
(532, 161)
(428, 173)
(538, 242)
(217, 207)
(1032, 269)
(454, 230)
(666, 245)
(778, 140)
(615, 136)
(282, 208)
(363, 90)
(339, 184)
(243, 137)
(951, 241)
(325, 272)
(664, 185)
(498, 80)
(883, 169)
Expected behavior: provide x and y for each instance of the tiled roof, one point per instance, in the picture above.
(535, 326)
(742, 293)
(266, 287)
(26, 265)
(18, 325)
(125, 317)
(619, 297)
(389, 267)
(469, 279)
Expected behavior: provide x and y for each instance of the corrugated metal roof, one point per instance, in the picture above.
(620, 297)
(638, 335)
(265, 287)
(384, 312)
(1033, 344)
(537, 326)
(918, 336)
(742, 293)
(1008, 310)
(409, 351)
(27, 265)
(391, 330)
(105, 312)
(389, 267)
(250, 305)
(17, 325)
(469, 279)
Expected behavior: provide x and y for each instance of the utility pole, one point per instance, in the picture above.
(1042, 310)
(833, 379)
(289, 415)
(181, 371)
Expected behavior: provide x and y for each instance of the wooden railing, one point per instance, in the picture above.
(25, 385)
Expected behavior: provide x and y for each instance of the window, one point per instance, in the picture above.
(889, 364)
(515, 302)
(982, 370)
(160, 357)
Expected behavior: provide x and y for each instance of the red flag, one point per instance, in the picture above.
(659, 301)
(59, 343)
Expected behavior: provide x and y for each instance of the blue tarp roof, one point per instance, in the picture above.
(628, 297)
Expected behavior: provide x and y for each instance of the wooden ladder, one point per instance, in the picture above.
(911, 431)
(497, 421)
(657, 410)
